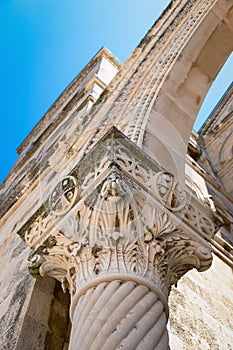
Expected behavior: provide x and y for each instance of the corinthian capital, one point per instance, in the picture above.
(118, 232)
(121, 215)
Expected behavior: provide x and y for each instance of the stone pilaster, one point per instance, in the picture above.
(117, 232)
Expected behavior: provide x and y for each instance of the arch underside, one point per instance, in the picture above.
(176, 106)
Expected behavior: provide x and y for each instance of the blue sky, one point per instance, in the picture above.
(45, 43)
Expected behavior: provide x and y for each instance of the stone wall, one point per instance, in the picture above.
(46, 323)
(201, 310)
(34, 314)
(16, 286)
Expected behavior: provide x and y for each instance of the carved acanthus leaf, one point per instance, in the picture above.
(181, 254)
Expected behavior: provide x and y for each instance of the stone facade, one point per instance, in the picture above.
(101, 202)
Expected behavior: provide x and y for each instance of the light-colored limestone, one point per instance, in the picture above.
(106, 215)
(200, 320)
(112, 244)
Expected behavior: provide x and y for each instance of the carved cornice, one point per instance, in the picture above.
(118, 212)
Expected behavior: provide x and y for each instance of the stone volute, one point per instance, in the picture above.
(118, 232)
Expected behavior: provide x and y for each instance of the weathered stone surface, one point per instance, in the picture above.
(105, 215)
(201, 309)
(16, 285)
(46, 324)
(122, 231)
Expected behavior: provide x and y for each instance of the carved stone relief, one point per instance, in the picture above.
(116, 230)
(117, 218)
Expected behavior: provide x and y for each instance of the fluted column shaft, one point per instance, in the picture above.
(118, 315)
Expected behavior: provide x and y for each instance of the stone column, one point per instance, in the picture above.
(117, 237)
(119, 314)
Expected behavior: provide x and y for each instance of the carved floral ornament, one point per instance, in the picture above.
(108, 223)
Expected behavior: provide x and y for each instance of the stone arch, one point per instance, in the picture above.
(186, 85)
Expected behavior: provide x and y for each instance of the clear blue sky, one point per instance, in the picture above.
(45, 43)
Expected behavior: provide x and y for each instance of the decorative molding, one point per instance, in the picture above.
(139, 92)
(37, 229)
(118, 219)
